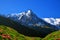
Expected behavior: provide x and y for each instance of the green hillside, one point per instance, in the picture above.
(7, 33)
(53, 36)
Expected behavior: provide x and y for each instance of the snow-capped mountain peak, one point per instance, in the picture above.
(20, 15)
(29, 18)
(53, 21)
(28, 13)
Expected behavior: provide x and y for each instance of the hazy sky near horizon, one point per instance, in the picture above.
(42, 8)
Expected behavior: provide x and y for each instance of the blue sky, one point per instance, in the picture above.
(42, 8)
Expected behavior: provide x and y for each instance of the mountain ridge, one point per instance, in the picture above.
(30, 19)
(53, 21)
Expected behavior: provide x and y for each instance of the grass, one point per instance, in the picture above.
(53, 36)
(7, 33)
